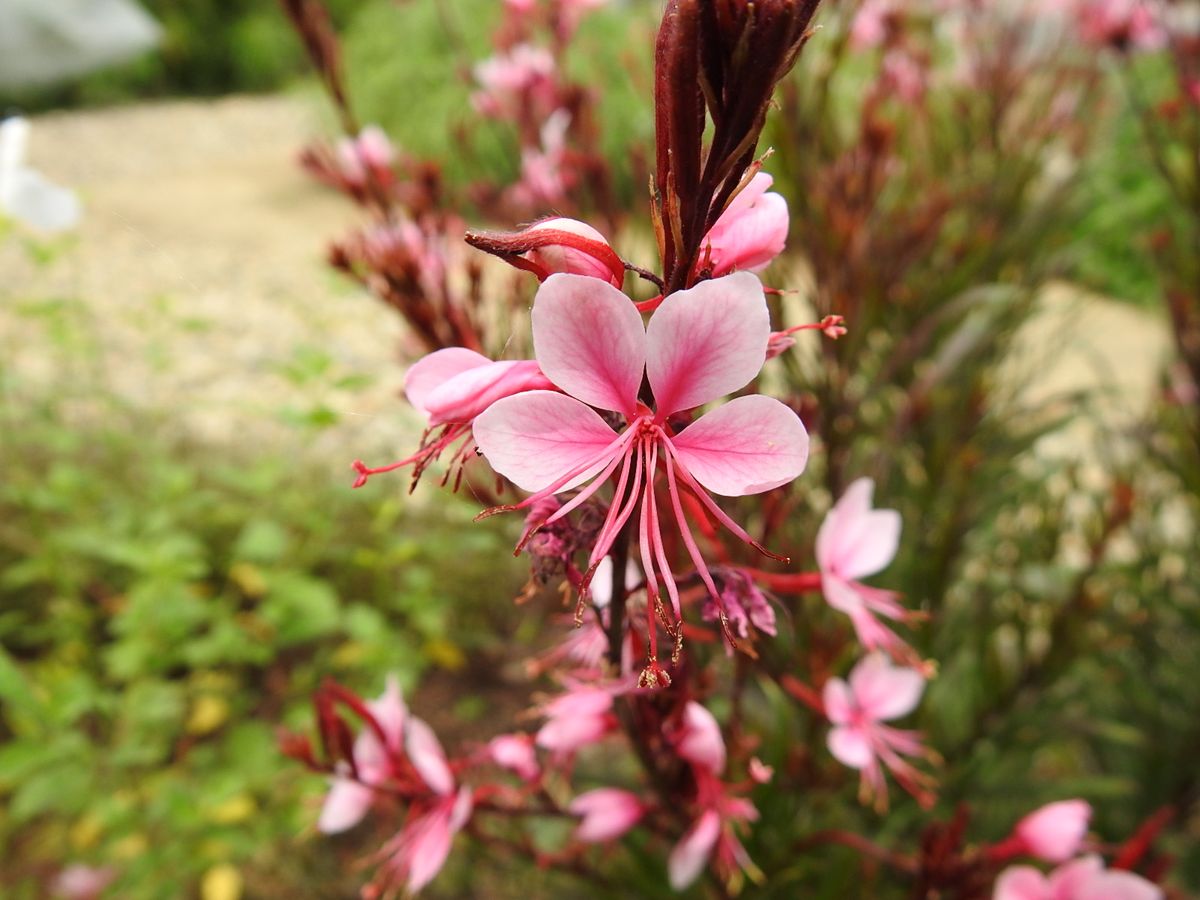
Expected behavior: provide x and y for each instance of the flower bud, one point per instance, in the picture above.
(1054, 832)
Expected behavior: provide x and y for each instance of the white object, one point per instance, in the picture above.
(27, 195)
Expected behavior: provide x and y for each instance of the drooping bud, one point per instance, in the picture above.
(554, 245)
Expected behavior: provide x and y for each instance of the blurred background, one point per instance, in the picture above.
(1006, 215)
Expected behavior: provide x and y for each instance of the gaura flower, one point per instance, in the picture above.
(856, 541)
(515, 752)
(699, 345)
(451, 387)
(1083, 879)
(25, 194)
(713, 835)
(877, 692)
(698, 739)
(1054, 832)
(418, 852)
(367, 157)
(577, 718)
(590, 256)
(607, 814)
(750, 232)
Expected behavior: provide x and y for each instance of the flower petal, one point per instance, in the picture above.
(706, 342)
(1119, 885)
(427, 756)
(838, 700)
(469, 393)
(851, 747)
(691, 853)
(1021, 883)
(855, 541)
(536, 438)
(700, 741)
(883, 691)
(1068, 879)
(345, 805)
(746, 446)
(430, 372)
(607, 814)
(589, 339)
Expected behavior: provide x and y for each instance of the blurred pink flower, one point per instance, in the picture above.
(81, 882)
(1124, 24)
(515, 752)
(369, 155)
(745, 604)
(877, 692)
(869, 27)
(1084, 879)
(698, 739)
(712, 835)
(525, 70)
(855, 541)
(350, 797)
(607, 814)
(577, 718)
(902, 76)
(545, 177)
(700, 344)
(419, 851)
(1054, 832)
(750, 232)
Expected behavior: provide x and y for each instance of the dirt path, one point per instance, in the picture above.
(200, 264)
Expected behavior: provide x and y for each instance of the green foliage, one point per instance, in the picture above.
(165, 605)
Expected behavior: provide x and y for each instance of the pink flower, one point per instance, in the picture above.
(515, 752)
(370, 155)
(700, 344)
(349, 798)
(750, 232)
(607, 814)
(712, 835)
(524, 71)
(1054, 832)
(903, 76)
(590, 256)
(869, 27)
(855, 541)
(419, 851)
(451, 387)
(579, 717)
(698, 739)
(877, 692)
(81, 882)
(1083, 879)
(745, 604)
(545, 176)
(1124, 24)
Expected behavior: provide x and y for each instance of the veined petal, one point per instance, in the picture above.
(430, 372)
(589, 339)
(469, 393)
(749, 445)
(688, 857)
(851, 747)
(1022, 883)
(706, 342)
(427, 756)
(883, 691)
(535, 438)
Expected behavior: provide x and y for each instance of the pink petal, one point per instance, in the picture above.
(706, 342)
(428, 846)
(1115, 885)
(568, 733)
(838, 701)
(855, 541)
(430, 372)
(345, 805)
(607, 814)
(883, 691)
(589, 340)
(425, 753)
(1021, 883)
(466, 395)
(390, 712)
(691, 853)
(535, 438)
(1055, 831)
(700, 741)
(1068, 880)
(749, 445)
(515, 752)
(851, 747)
(751, 231)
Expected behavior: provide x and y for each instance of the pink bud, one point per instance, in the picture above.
(1055, 832)
(591, 256)
(749, 233)
(607, 814)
